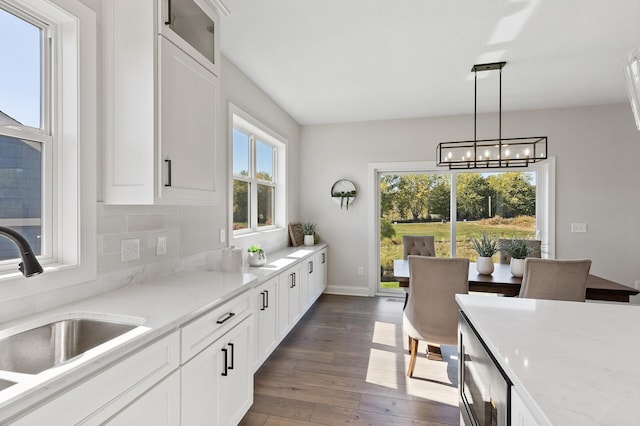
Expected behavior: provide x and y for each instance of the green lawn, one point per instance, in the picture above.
(391, 248)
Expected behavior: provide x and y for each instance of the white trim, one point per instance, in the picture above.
(74, 156)
(238, 118)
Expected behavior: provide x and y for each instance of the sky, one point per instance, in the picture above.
(19, 69)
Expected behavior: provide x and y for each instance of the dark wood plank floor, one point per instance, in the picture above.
(345, 363)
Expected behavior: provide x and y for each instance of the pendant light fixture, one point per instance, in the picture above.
(491, 153)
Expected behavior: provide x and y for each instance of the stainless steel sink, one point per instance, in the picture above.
(44, 347)
(5, 384)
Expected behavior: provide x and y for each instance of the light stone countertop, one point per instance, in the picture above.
(572, 363)
(160, 305)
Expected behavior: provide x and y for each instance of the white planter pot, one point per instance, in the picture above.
(484, 265)
(517, 267)
(308, 240)
(256, 258)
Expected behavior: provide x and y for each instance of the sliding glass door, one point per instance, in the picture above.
(454, 207)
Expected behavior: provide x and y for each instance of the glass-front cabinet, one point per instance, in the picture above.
(192, 25)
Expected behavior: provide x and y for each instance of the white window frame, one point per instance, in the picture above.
(545, 204)
(239, 119)
(69, 175)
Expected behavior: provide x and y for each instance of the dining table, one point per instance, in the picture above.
(502, 282)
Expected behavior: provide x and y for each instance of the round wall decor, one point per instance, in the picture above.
(344, 193)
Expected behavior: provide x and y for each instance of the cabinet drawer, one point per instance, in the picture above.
(203, 331)
(101, 396)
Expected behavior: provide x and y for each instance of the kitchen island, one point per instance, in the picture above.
(570, 363)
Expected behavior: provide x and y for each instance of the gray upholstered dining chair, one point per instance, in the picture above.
(555, 279)
(535, 247)
(432, 312)
(420, 245)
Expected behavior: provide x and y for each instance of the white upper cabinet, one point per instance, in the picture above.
(161, 98)
(192, 25)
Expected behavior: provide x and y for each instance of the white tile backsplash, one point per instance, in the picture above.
(145, 223)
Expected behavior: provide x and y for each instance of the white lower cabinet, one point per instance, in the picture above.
(158, 406)
(520, 414)
(288, 300)
(321, 272)
(266, 335)
(124, 389)
(307, 287)
(217, 384)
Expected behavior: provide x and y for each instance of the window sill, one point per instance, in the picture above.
(55, 276)
(252, 233)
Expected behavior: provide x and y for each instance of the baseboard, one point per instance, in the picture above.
(347, 290)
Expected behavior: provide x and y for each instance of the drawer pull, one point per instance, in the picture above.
(226, 368)
(226, 318)
(263, 301)
(311, 267)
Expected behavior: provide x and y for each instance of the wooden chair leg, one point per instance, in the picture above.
(413, 348)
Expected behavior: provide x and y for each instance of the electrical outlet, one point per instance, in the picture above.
(360, 270)
(161, 245)
(130, 250)
(579, 227)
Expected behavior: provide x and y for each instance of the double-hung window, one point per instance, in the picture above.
(25, 130)
(257, 180)
(48, 140)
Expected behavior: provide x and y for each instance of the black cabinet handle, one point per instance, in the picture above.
(232, 356)
(311, 266)
(168, 172)
(168, 21)
(263, 301)
(226, 318)
(323, 257)
(293, 280)
(267, 293)
(225, 372)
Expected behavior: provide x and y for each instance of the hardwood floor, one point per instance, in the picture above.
(345, 363)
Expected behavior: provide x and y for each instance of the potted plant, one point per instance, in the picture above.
(518, 249)
(486, 247)
(309, 230)
(256, 256)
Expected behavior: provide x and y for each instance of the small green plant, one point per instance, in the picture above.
(255, 249)
(344, 196)
(485, 246)
(309, 228)
(516, 248)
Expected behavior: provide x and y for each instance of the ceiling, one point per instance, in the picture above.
(330, 61)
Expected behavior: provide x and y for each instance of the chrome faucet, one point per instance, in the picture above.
(29, 265)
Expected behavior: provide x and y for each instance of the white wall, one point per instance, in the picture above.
(201, 225)
(597, 180)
